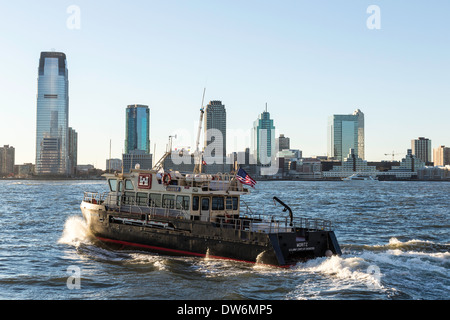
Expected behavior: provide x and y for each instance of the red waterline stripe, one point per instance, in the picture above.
(182, 252)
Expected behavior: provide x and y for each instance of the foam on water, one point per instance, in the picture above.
(75, 232)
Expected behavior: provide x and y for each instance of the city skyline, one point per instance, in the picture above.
(306, 61)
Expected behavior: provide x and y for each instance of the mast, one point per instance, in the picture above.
(197, 168)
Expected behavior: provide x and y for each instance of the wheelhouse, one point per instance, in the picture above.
(196, 197)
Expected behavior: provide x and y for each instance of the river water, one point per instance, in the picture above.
(394, 238)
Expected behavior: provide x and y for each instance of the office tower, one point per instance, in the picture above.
(7, 155)
(52, 116)
(137, 128)
(421, 148)
(216, 128)
(263, 138)
(346, 132)
(441, 156)
(73, 150)
(137, 138)
(283, 142)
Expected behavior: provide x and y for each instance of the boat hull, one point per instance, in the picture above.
(206, 239)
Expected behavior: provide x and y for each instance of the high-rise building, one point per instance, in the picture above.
(7, 158)
(346, 132)
(137, 138)
(441, 156)
(421, 148)
(52, 116)
(216, 128)
(283, 142)
(263, 138)
(137, 128)
(73, 150)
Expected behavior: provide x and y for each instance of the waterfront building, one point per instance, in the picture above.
(113, 165)
(137, 157)
(434, 173)
(7, 158)
(351, 165)
(73, 150)
(283, 142)
(441, 156)
(215, 128)
(137, 138)
(25, 170)
(137, 135)
(421, 148)
(263, 138)
(52, 116)
(346, 132)
(408, 168)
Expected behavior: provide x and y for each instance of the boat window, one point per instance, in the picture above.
(205, 204)
(155, 200)
(169, 201)
(183, 202)
(229, 203)
(141, 199)
(235, 203)
(128, 198)
(217, 203)
(112, 184)
(119, 188)
(195, 203)
(129, 185)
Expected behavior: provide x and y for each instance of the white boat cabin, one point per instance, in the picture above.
(189, 196)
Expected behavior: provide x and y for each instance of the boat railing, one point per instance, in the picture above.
(247, 221)
(132, 205)
(271, 225)
(95, 197)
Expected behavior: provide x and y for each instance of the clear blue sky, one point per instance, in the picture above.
(306, 59)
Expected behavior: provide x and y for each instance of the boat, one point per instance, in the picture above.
(360, 177)
(201, 215)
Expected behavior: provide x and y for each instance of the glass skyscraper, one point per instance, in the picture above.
(263, 139)
(137, 128)
(346, 132)
(52, 150)
(137, 138)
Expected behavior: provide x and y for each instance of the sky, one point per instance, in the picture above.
(307, 60)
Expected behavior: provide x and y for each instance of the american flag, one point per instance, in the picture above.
(244, 178)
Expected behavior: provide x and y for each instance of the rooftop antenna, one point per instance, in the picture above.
(266, 106)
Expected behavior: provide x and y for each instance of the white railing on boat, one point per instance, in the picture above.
(248, 222)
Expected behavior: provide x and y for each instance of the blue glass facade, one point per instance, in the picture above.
(346, 132)
(263, 138)
(137, 129)
(52, 154)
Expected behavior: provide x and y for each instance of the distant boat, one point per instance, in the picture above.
(360, 177)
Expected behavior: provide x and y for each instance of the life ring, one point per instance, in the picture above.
(166, 179)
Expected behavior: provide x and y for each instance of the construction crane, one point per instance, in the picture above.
(198, 161)
(393, 154)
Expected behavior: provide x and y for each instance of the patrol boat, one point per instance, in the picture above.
(202, 215)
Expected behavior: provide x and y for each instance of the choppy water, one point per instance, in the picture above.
(394, 236)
